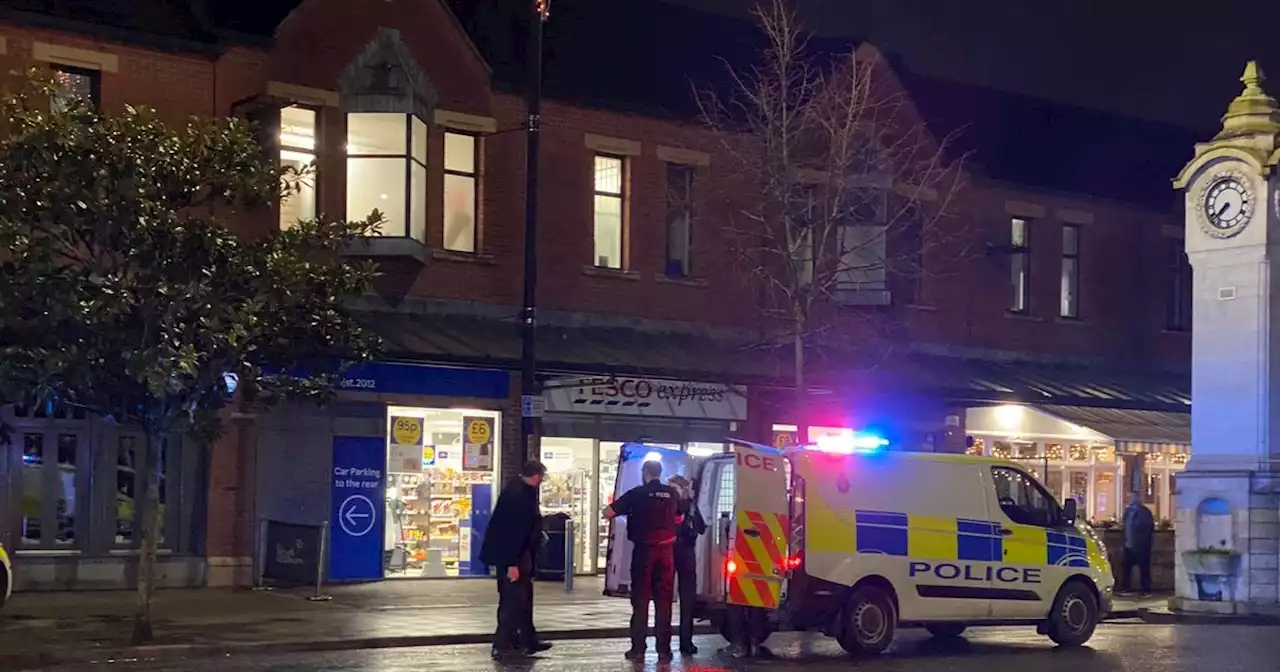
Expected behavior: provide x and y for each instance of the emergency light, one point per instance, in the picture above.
(848, 443)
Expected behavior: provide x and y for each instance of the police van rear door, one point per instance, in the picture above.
(632, 456)
(757, 564)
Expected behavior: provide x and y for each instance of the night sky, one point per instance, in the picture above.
(1171, 61)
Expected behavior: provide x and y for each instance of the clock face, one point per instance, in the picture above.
(1228, 204)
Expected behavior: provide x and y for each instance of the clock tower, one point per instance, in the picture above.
(1228, 499)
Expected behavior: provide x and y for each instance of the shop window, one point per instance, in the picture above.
(131, 484)
(700, 449)
(460, 191)
(1069, 291)
(1020, 265)
(387, 171)
(441, 470)
(570, 489)
(1105, 495)
(1002, 450)
(1055, 452)
(76, 84)
(52, 502)
(679, 219)
(610, 224)
(1026, 451)
(1078, 452)
(298, 151)
(1053, 481)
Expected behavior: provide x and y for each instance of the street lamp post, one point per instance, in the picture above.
(529, 312)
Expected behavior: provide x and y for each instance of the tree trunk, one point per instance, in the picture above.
(800, 413)
(150, 507)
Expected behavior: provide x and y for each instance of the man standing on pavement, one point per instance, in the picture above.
(652, 512)
(511, 546)
(1139, 532)
(686, 556)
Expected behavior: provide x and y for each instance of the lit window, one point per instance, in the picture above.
(609, 225)
(679, 218)
(1070, 289)
(387, 171)
(460, 171)
(1020, 265)
(76, 84)
(298, 151)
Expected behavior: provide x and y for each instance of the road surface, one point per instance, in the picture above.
(1117, 647)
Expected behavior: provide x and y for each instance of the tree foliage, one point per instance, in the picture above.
(124, 291)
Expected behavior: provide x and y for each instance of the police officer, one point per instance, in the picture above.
(652, 510)
(690, 528)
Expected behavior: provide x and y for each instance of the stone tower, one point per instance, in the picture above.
(1228, 499)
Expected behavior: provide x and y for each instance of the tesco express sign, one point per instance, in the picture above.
(618, 395)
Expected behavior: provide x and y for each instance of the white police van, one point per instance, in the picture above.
(857, 541)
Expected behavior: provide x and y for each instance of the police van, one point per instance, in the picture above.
(856, 541)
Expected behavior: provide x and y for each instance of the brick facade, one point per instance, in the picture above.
(963, 305)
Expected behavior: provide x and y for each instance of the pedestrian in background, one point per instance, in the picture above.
(652, 510)
(690, 528)
(1139, 533)
(510, 545)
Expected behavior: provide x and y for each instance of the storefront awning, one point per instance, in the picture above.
(1127, 426)
(1041, 384)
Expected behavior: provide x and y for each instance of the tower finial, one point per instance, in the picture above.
(1253, 79)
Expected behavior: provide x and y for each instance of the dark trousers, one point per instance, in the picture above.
(686, 558)
(1142, 560)
(515, 611)
(653, 577)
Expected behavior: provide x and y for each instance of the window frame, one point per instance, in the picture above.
(1020, 302)
(409, 162)
(684, 209)
(95, 81)
(1055, 508)
(474, 176)
(1070, 286)
(282, 147)
(1178, 274)
(622, 209)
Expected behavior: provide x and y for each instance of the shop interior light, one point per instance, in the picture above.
(654, 456)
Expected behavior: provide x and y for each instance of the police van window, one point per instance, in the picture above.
(1022, 500)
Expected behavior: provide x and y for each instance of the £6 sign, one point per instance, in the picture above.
(617, 395)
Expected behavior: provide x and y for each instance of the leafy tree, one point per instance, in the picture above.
(848, 188)
(124, 292)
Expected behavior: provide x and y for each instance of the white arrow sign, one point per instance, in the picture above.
(357, 515)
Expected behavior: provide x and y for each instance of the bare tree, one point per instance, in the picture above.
(839, 187)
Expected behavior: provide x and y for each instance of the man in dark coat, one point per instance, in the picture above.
(690, 528)
(1139, 532)
(510, 546)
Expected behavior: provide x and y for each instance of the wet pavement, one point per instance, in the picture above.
(1115, 647)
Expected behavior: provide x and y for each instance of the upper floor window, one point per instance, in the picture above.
(609, 221)
(298, 151)
(1022, 499)
(679, 218)
(1069, 292)
(76, 84)
(861, 266)
(912, 257)
(1020, 265)
(460, 193)
(387, 171)
(1177, 274)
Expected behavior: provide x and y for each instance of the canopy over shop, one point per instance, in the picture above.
(1094, 455)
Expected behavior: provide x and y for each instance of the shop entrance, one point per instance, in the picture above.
(441, 469)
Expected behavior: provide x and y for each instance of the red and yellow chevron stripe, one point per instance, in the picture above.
(758, 562)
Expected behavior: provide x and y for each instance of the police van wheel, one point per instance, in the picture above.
(1074, 616)
(870, 619)
(945, 630)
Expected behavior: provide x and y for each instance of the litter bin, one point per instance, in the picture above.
(550, 565)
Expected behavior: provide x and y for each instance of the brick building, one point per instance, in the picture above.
(1075, 309)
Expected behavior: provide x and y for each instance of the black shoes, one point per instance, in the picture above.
(688, 649)
(634, 654)
(665, 654)
(523, 651)
(539, 648)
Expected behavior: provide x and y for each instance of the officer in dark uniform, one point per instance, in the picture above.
(652, 511)
(690, 528)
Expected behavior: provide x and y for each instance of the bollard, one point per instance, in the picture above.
(323, 551)
(260, 559)
(568, 556)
